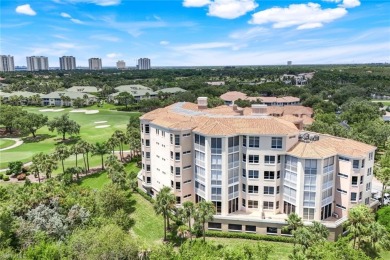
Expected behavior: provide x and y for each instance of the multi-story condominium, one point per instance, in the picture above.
(254, 167)
(143, 64)
(67, 63)
(120, 65)
(95, 63)
(7, 63)
(37, 63)
(231, 96)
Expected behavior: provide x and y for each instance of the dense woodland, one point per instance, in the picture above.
(60, 219)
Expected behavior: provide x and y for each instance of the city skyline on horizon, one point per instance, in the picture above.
(198, 32)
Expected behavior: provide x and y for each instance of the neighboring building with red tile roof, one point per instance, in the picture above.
(231, 96)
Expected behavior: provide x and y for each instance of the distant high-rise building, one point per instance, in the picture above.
(95, 63)
(67, 63)
(289, 63)
(120, 64)
(143, 64)
(37, 63)
(7, 63)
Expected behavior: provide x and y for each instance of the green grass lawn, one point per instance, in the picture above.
(95, 181)
(5, 143)
(384, 102)
(116, 119)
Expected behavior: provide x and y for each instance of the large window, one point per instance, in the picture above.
(356, 164)
(254, 141)
(253, 204)
(277, 143)
(244, 140)
(268, 205)
(269, 159)
(310, 166)
(216, 145)
(177, 139)
(353, 196)
(308, 213)
(199, 139)
(253, 189)
(233, 205)
(268, 190)
(269, 175)
(253, 158)
(253, 174)
(354, 180)
(326, 211)
(147, 129)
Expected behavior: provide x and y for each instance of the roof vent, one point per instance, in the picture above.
(202, 102)
(259, 110)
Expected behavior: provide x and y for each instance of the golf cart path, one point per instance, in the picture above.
(17, 143)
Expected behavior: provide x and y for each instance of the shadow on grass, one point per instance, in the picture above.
(37, 139)
(70, 141)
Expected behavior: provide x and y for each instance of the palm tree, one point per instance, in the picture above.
(165, 202)
(378, 234)
(70, 172)
(86, 148)
(383, 172)
(302, 236)
(182, 232)
(34, 169)
(134, 140)
(319, 231)
(188, 211)
(76, 150)
(85, 98)
(359, 218)
(293, 223)
(47, 164)
(112, 143)
(100, 149)
(205, 211)
(61, 152)
(122, 139)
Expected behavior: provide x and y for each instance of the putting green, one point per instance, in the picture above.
(116, 119)
(4, 143)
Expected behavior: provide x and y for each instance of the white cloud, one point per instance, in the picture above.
(227, 9)
(304, 16)
(105, 37)
(66, 15)
(249, 34)
(98, 2)
(25, 9)
(350, 3)
(195, 3)
(76, 21)
(164, 42)
(231, 9)
(113, 55)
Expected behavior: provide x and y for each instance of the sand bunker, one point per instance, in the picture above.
(87, 112)
(100, 122)
(51, 110)
(102, 126)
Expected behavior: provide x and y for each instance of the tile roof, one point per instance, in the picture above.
(235, 95)
(84, 89)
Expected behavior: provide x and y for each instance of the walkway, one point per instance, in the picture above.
(17, 143)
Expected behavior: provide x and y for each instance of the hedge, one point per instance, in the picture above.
(272, 238)
(6, 178)
(1, 176)
(146, 196)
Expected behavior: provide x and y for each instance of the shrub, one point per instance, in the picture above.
(21, 177)
(1, 176)
(249, 236)
(146, 196)
(6, 178)
(8, 172)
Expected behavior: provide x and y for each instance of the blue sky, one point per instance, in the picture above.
(197, 32)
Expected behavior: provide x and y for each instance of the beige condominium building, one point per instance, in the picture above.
(254, 167)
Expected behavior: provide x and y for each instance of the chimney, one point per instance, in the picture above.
(259, 110)
(202, 103)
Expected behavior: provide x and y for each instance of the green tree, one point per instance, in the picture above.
(359, 217)
(61, 153)
(64, 125)
(125, 98)
(100, 149)
(121, 139)
(188, 212)
(15, 168)
(165, 202)
(31, 122)
(204, 213)
(9, 115)
(382, 172)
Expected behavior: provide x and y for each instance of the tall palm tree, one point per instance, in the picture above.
(100, 149)
(122, 139)
(205, 211)
(182, 232)
(112, 143)
(47, 164)
(382, 172)
(165, 202)
(76, 149)
(188, 211)
(319, 231)
(293, 223)
(86, 149)
(359, 218)
(134, 140)
(61, 152)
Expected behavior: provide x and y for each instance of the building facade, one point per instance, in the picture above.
(95, 63)
(37, 63)
(120, 65)
(7, 63)
(255, 168)
(143, 64)
(67, 63)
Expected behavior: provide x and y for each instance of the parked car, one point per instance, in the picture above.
(386, 198)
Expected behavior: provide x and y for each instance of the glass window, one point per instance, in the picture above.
(277, 142)
(243, 203)
(235, 227)
(268, 205)
(147, 129)
(253, 189)
(178, 200)
(353, 196)
(356, 164)
(269, 159)
(234, 141)
(243, 187)
(244, 157)
(214, 225)
(199, 139)
(243, 173)
(310, 166)
(269, 190)
(177, 156)
(178, 185)
(253, 204)
(269, 175)
(177, 139)
(354, 180)
(244, 140)
(254, 141)
(253, 174)
(177, 171)
(249, 228)
(253, 159)
(216, 145)
(272, 230)
(147, 142)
